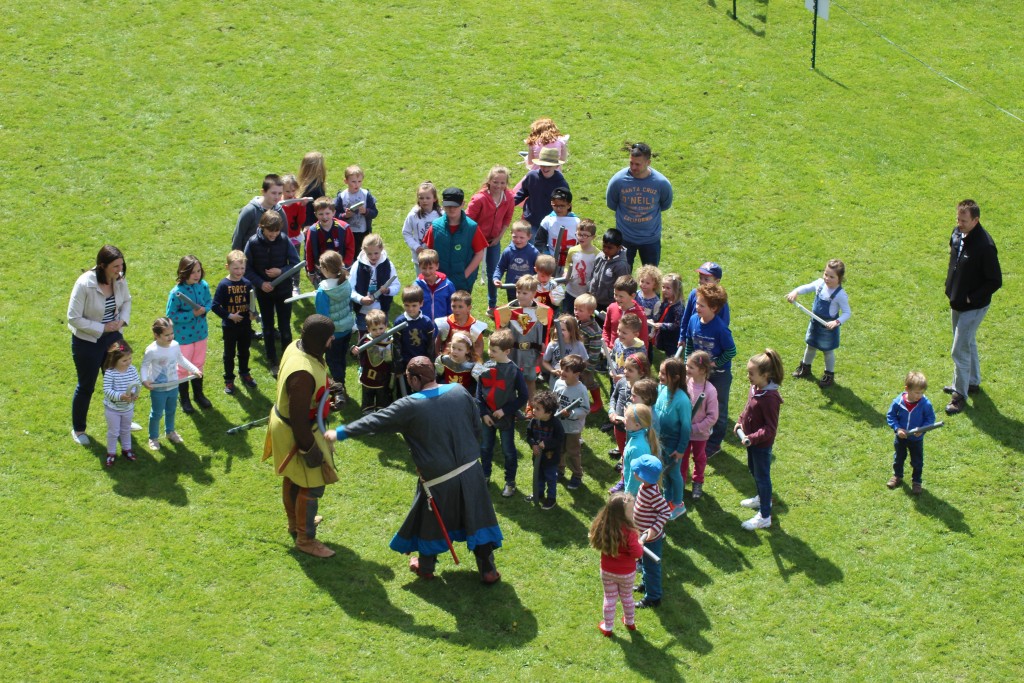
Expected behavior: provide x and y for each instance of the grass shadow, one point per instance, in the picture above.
(718, 548)
(842, 399)
(828, 78)
(158, 479)
(650, 661)
(793, 556)
(486, 617)
(984, 415)
(556, 528)
(928, 504)
(356, 586)
(760, 16)
(679, 613)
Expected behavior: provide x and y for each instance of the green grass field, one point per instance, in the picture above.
(150, 124)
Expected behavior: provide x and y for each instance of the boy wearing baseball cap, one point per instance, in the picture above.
(709, 271)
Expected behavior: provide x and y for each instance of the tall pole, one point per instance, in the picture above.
(814, 35)
(734, 10)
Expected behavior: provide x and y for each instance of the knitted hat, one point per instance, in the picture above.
(647, 468)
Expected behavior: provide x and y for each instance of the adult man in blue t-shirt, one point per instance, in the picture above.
(638, 194)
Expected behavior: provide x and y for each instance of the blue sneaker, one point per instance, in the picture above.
(678, 511)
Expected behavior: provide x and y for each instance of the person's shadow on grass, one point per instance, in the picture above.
(793, 556)
(356, 586)
(556, 528)
(984, 415)
(486, 617)
(148, 477)
(716, 547)
(645, 658)
(928, 504)
(841, 399)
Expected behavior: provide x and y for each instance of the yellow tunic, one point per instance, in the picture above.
(280, 442)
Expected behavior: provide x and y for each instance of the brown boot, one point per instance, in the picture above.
(802, 370)
(313, 547)
(827, 379)
(894, 482)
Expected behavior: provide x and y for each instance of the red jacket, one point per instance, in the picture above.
(629, 553)
(611, 323)
(490, 219)
(760, 417)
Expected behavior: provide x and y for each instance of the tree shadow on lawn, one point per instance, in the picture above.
(487, 617)
(801, 557)
(928, 504)
(158, 479)
(985, 416)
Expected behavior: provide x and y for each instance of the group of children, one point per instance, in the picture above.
(573, 312)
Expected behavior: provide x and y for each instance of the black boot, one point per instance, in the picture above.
(802, 370)
(197, 389)
(186, 402)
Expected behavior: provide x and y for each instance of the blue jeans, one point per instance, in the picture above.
(88, 357)
(652, 570)
(916, 449)
(759, 462)
(491, 257)
(545, 473)
(721, 381)
(337, 356)
(649, 253)
(508, 447)
(163, 403)
(966, 367)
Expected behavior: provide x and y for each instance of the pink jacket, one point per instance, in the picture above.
(490, 219)
(704, 419)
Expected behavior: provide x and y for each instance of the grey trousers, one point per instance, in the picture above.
(966, 368)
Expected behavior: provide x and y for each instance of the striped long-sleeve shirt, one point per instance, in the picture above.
(116, 383)
(650, 511)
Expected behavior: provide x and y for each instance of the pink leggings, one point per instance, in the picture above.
(196, 353)
(700, 460)
(618, 587)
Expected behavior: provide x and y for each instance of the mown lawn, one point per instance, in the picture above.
(150, 124)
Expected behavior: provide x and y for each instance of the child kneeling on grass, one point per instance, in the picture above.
(612, 532)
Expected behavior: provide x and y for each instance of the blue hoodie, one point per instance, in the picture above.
(902, 417)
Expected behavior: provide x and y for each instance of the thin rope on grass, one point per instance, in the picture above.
(925, 64)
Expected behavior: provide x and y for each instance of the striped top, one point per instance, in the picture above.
(116, 383)
(109, 310)
(650, 511)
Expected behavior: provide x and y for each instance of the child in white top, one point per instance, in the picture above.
(160, 366)
(579, 263)
(561, 217)
(121, 386)
(419, 219)
(356, 206)
(832, 305)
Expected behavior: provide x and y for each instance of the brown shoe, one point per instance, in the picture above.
(313, 547)
(956, 404)
(827, 379)
(894, 482)
(916, 489)
(802, 370)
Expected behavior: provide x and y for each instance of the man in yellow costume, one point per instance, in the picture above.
(301, 456)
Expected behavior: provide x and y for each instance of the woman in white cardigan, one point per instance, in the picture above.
(100, 307)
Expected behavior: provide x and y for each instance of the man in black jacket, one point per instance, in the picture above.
(973, 276)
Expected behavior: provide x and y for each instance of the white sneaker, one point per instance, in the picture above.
(757, 522)
(174, 437)
(81, 439)
(752, 503)
(136, 427)
(508, 491)
(154, 445)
